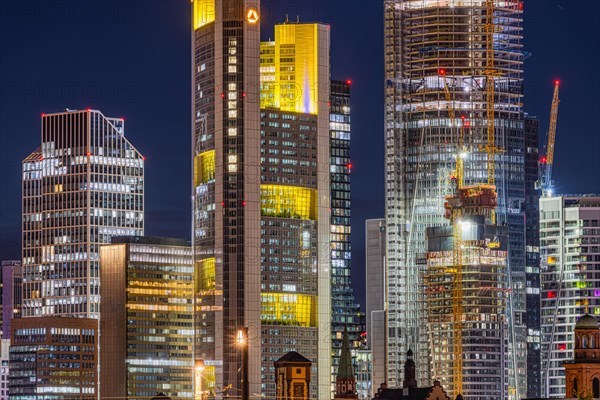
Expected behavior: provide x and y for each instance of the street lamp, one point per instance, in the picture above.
(241, 340)
(198, 379)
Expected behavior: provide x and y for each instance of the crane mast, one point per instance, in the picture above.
(547, 161)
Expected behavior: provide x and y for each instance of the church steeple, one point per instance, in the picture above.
(345, 384)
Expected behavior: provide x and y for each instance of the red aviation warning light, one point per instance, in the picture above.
(349, 82)
(442, 72)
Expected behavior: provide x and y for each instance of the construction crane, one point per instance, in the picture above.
(456, 214)
(546, 162)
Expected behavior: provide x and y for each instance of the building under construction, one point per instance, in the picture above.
(466, 287)
(439, 78)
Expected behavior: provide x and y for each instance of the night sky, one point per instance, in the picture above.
(131, 59)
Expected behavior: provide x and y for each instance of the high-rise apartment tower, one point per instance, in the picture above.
(570, 285)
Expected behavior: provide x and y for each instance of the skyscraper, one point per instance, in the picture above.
(375, 234)
(346, 313)
(226, 187)
(570, 285)
(432, 47)
(532, 267)
(260, 195)
(83, 185)
(146, 321)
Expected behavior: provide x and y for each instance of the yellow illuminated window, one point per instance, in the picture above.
(204, 167)
(232, 69)
(288, 309)
(288, 202)
(207, 274)
(204, 12)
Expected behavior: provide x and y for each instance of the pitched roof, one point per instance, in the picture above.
(293, 356)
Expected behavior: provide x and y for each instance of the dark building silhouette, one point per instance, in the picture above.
(345, 383)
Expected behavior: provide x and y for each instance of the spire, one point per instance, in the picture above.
(345, 370)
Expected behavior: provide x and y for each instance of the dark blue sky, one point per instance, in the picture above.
(131, 59)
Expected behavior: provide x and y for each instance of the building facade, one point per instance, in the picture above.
(83, 185)
(375, 235)
(532, 267)
(146, 321)
(431, 46)
(484, 330)
(12, 280)
(345, 312)
(4, 368)
(54, 358)
(569, 259)
(582, 373)
(260, 195)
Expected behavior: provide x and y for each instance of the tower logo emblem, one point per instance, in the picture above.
(252, 15)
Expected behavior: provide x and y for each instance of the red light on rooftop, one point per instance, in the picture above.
(43, 115)
(144, 158)
(557, 82)
(543, 160)
(349, 165)
(349, 82)
(88, 109)
(442, 72)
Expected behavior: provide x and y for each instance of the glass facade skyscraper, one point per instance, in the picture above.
(432, 45)
(345, 312)
(83, 185)
(260, 195)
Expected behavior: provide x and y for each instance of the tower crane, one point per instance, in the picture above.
(456, 214)
(546, 162)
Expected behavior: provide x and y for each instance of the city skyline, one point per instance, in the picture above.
(112, 86)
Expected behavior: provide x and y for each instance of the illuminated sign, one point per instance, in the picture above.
(252, 15)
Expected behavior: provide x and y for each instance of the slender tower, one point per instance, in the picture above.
(226, 193)
(435, 67)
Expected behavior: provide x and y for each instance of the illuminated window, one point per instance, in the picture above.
(207, 275)
(288, 202)
(232, 104)
(232, 168)
(232, 60)
(288, 309)
(232, 158)
(232, 86)
(232, 69)
(232, 131)
(204, 167)
(232, 113)
(232, 95)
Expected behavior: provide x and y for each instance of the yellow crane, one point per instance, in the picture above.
(456, 269)
(547, 161)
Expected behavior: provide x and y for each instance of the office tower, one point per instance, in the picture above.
(146, 323)
(345, 312)
(295, 201)
(83, 185)
(54, 358)
(431, 46)
(375, 235)
(569, 261)
(12, 279)
(532, 266)
(226, 189)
